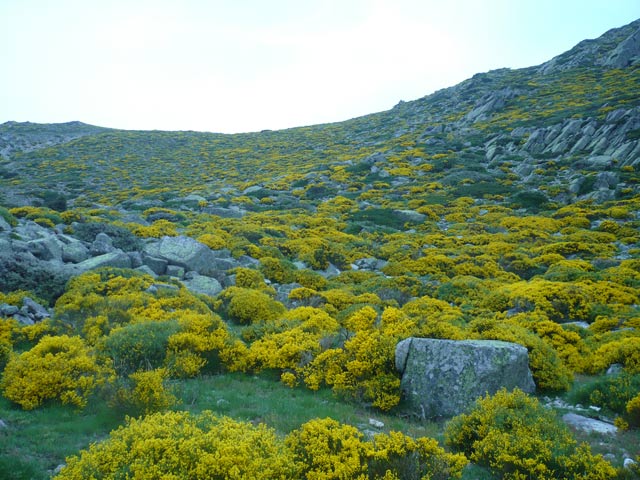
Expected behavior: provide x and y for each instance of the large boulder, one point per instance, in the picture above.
(442, 378)
(184, 252)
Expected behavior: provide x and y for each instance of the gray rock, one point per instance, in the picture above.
(376, 423)
(175, 271)
(587, 424)
(7, 310)
(102, 244)
(203, 284)
(23, 319)
(74, 252)
(157, 265)
(157, 287)
(4, 225)
(184, 252)
(410, 216)
(46, 248)
(583, 325)
(252, 189)
(629, 463)
(116, 259)
(225, 212)
(330, 272)
(136, 259)
(615, 369)
(146, 270)
(626, 53)
(35, 310)
(442, 378)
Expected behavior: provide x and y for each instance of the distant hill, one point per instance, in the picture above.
(568, 129)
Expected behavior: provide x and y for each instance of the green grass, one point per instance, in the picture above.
(264, 399)
(35, 442)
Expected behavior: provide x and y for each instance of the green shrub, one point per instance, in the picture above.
(138, 345)
(611, 392)
(8, 217)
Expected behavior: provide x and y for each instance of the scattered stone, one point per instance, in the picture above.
(158, 265)
(330, 272)
(156, 287)
(34, 309)
(136, 259)
(376, 423)
(102, 244)
(184, 252)
(7, 310)
(3, 424)
(146, 270)
(116, 259)
(23, 319)
(628, 463)
(615, 369)
(442, 378)
(587, 424)
(74, 252)
(203, 285)
(47, 248)
(175, 271)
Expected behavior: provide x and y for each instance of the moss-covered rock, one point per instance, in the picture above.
(442, 378)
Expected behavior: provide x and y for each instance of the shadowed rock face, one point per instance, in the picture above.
(442, 378)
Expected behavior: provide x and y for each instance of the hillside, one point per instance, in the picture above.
(506, 207)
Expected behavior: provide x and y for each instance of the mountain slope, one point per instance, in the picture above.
(549, 129)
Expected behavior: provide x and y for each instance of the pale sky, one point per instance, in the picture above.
(247, 65)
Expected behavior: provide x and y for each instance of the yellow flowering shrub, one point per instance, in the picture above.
(324, 449)
(399, 456)
(179, 445)
(249, 278)
(57, 368)
(213, 241)
(147, 392)
(277, 270)
(435, 318)
(159, 228)
(247, 306)
(625, 351)
(633, 409)
(297, 340)
(517, 438)
(364, 367)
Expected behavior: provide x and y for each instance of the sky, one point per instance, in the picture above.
(234, 66)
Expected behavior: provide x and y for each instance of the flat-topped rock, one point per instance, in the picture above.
(442, 378)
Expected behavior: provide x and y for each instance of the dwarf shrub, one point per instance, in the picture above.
(61, 368)
(178, 445)
(138, 345)
(397, 456)
(516, 437)
(324, 449)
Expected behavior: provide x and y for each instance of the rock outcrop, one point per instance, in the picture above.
(442, 378)
(184, 252)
